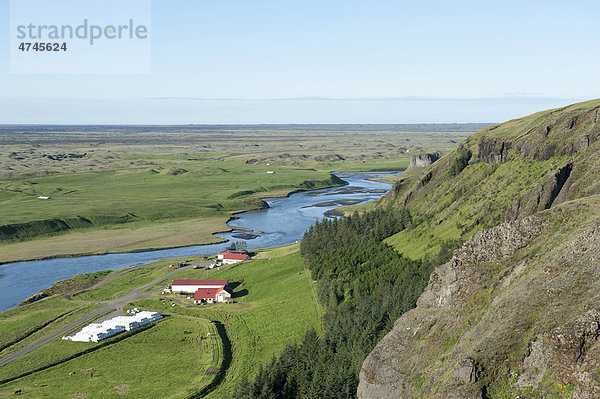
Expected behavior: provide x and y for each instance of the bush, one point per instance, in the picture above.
(460, 161)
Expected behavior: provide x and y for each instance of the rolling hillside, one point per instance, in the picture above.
(515, 312)
(501, 173)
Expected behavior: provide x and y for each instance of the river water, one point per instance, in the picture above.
(284, 222)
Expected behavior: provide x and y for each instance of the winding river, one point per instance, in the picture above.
(284, 222)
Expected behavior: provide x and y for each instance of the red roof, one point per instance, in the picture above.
(235, 256)
(219, 283)
(229, 251)
(208, 293)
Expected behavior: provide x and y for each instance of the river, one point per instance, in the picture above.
(284, 222)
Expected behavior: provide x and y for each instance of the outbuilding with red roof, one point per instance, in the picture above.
(229, 257)
(211, 295)
(189, 286)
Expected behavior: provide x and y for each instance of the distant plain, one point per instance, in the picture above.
(122, 188)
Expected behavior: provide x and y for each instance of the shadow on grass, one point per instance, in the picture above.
(239, 293)
(227, 358)
(235, 284)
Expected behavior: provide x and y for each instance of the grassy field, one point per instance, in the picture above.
(275, 305)
(119, 239)
(172, 358)
(120, 211)
(129, 196)
(20, 323)
(119, 286)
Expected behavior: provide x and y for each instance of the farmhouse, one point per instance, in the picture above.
(211, 295)
(229, 257)
(187, 286)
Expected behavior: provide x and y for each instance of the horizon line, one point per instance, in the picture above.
(405, 98)
(3, 125)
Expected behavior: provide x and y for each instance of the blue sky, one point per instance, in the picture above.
(330, 62)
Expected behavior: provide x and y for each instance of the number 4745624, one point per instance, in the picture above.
(43, 46)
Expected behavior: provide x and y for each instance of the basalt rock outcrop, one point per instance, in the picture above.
(551, 191)
(420, 161)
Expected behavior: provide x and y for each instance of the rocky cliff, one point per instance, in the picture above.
(516, 312)
(420, 161)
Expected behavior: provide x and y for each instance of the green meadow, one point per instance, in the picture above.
(89, 199)
(150, 209)
(33, 320)
(131, 279)
(274, 305)
(175, 357)
(195, 350)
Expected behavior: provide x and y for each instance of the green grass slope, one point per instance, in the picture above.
(275, 306)
(502, 172)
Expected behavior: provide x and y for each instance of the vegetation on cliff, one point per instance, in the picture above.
(514, 313)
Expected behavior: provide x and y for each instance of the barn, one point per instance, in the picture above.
(212, 295)
(229, 257)
(189, 286)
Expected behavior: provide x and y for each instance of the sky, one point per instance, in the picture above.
(324, 61)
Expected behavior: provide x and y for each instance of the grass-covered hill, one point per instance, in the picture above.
(501, 173)
(515, 312)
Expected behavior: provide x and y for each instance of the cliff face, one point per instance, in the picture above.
(516, 312)
(420, 161)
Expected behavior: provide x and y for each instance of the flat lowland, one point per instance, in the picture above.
(99, 241)
(195, 350)
(115, 189)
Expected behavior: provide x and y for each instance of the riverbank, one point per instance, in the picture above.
(136, 238)
(113, 241)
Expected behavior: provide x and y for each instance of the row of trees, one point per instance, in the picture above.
(365, 286)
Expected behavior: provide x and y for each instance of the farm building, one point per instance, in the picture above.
(187, 286)
(211, 295)
(229, 257)
(221, 255)
(95, 332)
